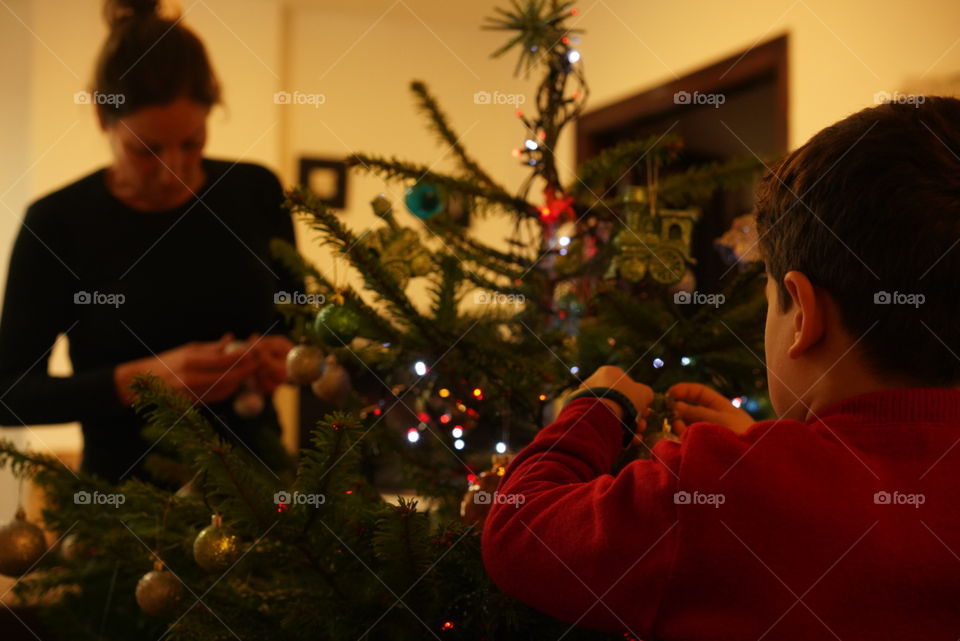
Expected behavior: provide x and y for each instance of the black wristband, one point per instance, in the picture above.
(629, 420)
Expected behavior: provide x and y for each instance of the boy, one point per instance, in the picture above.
(840, 519)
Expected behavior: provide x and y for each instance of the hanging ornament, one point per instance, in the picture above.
(216, 548)
(480, 493)
(304, 364)
(660, 421)
(249, 401)
(654, 242)
(424, 200)
(400, 253)
(74, 550)
(555, 208)
(159, 592)
(740, 243)
(334, 385)
(22, 544)
(337, 324)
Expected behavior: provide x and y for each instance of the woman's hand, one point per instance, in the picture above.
(271, 353)
(203, 370)
(696, 402)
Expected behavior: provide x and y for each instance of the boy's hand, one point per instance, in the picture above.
(615, 378)
(696, 402)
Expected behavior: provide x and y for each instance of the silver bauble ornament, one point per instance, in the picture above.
(304, 364)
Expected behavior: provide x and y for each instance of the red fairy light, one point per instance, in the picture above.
(423, 416)
(447, 625)
(556, 208)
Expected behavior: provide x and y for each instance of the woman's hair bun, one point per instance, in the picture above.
(120, 12)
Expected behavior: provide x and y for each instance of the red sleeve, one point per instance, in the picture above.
(574, 541)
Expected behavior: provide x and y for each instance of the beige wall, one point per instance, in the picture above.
(361, 55)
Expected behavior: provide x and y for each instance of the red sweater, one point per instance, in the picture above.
(776, 534)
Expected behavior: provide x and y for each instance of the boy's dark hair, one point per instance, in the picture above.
(150, 60)
(869, 211)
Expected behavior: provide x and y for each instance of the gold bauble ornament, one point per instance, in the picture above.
(304, 364)
(159, 592)
(22, 544)
(216, 548)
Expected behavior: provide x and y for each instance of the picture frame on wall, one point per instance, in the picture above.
(327, 179)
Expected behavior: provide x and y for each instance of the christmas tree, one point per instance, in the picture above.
(428, 395)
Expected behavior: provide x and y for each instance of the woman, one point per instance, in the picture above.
(153, 264)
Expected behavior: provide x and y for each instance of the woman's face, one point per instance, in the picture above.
(157, 152)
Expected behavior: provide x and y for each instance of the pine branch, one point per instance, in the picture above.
(597, 173)
(439, 122)
(381, 282)
(374, 323)
(700, 181)
(395, 169)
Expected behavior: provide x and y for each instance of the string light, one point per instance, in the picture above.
(478, 393)
(685, 360)
(543, 398)
(444, 393)
(531, 144)
(563, 241)
(501, 447)
(459, 444)
(447, 625)
(573, 56)
(457, 432)
(413, 435)
(420, 368)
(658, 363)
(574, 370)
(737, 402)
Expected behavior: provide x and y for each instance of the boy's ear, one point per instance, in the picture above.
(809, 311)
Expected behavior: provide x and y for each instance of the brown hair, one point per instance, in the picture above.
(869, 210)
(149, 60)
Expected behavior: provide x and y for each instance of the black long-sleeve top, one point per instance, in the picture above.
(124, 284)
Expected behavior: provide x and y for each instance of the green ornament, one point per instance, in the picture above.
(424, 200)
(337, 325)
